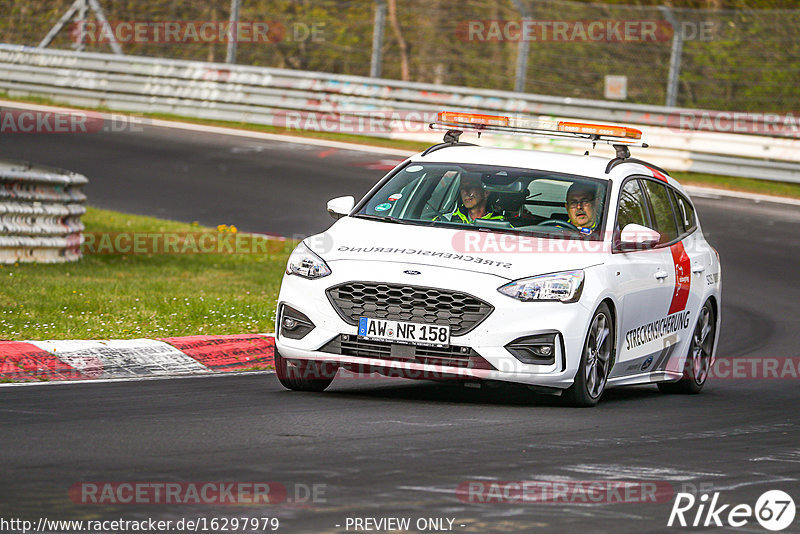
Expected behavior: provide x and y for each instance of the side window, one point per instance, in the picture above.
(632, 205)
(684, 211)
(662, 210)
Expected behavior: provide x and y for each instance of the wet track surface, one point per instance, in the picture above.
(395, 448)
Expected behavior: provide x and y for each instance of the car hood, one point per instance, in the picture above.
(503, 255)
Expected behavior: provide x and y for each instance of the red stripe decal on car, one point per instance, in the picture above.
(658, 175)
(683, 278)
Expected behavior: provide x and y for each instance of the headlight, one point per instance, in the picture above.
(303, 262)
(564, 287)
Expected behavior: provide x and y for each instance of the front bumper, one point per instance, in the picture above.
(510, 320)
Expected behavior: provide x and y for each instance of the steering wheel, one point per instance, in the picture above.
(559, 223)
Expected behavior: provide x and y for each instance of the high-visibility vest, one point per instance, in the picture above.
(490, 216)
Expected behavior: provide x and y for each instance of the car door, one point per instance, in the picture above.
(644, 285)
(676, 310)
(700, 253)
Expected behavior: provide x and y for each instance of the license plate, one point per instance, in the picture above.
(432, 335)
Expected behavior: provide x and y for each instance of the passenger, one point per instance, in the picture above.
(473, 203)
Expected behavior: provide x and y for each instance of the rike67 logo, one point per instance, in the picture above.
(774, 510)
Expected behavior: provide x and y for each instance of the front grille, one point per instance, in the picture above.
(348, 345)
(462, 312)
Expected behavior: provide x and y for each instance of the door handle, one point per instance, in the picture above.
(698, 268)
(661, 274)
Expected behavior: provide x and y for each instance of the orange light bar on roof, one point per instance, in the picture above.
(455, 117)
(599, 129)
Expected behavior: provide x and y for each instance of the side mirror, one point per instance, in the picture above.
(638, 237)
(340, 206)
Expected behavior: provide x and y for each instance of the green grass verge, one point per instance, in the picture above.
(141, 295)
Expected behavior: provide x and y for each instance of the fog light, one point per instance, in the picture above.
(294, 324)
(539, 349)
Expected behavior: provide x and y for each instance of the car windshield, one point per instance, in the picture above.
(504, 199)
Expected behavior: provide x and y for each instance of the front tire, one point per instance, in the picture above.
(596, 358)
(303, 375)
(698, 361)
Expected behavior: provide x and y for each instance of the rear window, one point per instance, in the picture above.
(684, 211)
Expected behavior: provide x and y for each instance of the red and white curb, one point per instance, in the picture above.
(27, 361)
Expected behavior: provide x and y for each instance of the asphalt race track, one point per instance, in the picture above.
(394, 448)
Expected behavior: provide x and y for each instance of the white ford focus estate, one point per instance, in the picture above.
(563, 273)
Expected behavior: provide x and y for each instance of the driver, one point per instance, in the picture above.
(581, 206)
(473, 202)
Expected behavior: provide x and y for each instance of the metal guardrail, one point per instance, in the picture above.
(262, 95)
(40, 213)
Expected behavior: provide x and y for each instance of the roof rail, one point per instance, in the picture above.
(616, 161)
(450, 139)
(439, 146)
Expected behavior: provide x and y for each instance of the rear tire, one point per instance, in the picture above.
(698, 361)
(596, 358)
(303, 375)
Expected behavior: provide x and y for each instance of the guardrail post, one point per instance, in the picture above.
(522, 49)
(61, 23)
(674, 57)
(98, 12)
(376, 61)
(82, 8)
(377, 39)
(230, 57)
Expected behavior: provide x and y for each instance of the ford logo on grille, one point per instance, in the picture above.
(412, 272)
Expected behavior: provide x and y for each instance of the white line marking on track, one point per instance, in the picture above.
(712, 193)
(623, 471)
(755, 482)
(792, 457)
(210, 374)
